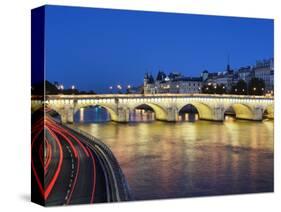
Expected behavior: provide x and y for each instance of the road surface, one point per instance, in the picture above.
(70, 168)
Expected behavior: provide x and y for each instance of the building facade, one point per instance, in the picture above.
(263, 69)
(177, 83)
(245, 74)
(225, 78)
(172, 83)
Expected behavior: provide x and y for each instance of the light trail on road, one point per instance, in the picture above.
(67, 168)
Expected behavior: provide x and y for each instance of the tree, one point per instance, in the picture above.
(256, 86)
(44, 87)
(208, 88)
(213, 88)
(240, 88)
(220, 89)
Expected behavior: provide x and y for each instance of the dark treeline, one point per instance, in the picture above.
(255, 86)
(51, 89)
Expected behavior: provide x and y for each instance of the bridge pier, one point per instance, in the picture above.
(67, 115)
(218, 113)
(257, 113)
(123, 115)
(172, 114)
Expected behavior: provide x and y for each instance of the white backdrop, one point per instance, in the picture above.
(15, 107)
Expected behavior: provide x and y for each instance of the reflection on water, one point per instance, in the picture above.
(168, 160)
(191, 117)
(140, 115)
(92, 114)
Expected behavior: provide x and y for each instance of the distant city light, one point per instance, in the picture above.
(61, 87)
(254, 89)
(167, 79)
(129, 86)
(119, 87)
(110, 87)
(72, 87)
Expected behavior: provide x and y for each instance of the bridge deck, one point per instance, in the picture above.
(132, 96)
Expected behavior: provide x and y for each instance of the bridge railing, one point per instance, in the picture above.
(97, 96)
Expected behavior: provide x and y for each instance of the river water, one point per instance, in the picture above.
(184, 159)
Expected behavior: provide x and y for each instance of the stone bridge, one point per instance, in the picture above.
(166, 106)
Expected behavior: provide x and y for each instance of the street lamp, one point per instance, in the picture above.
(110, 88)
(128, 89)
(119, 87)
(61, 88)
(72, 88)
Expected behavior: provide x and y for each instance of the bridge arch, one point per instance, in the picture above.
(111, 111)
(65, 115)
(242, 111)
(269, 111)
(204, 111)
(188, 113)
(160, 112)
(35, 106)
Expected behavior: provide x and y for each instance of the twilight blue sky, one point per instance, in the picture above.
(97, 48)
